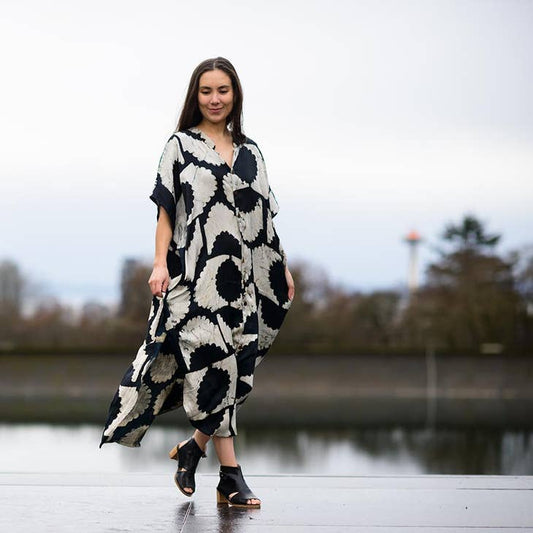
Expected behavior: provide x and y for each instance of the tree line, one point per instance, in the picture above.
(472, 300)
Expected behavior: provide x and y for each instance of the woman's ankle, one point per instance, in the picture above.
(229, 465)
(201, 440)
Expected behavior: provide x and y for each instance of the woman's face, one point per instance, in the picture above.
(215, 96)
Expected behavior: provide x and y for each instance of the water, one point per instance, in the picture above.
(60, 448)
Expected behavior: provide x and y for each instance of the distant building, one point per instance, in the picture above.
(412, 239)
(135, 294)
(11, 288)
(129, 268)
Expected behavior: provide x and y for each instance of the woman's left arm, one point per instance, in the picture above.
(274, 209)
(290, 282)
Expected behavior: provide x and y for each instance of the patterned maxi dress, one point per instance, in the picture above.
(227, 296)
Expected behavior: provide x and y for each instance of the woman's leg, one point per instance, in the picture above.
(201, 439)
(225, 450)
(226, 455)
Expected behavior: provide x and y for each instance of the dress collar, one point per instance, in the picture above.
(205, 138)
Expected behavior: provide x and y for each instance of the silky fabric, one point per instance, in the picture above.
(227, 296)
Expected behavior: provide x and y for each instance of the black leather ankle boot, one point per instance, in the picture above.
(232, 480)
(188, 455)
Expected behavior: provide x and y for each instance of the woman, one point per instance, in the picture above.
(220, 284)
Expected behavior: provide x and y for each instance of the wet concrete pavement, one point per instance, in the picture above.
(78, 503)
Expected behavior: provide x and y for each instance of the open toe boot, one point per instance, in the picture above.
(231, 480)
(188, 455)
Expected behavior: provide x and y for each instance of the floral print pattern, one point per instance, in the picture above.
(227, 297)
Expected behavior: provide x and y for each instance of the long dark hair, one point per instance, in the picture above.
(190, 114)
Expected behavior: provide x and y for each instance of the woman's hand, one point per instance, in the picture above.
(159, 280)
(290, 282)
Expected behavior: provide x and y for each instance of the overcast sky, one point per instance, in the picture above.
(374, 117)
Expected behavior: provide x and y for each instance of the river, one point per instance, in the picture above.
(313, 451)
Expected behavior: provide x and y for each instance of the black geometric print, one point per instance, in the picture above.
(213, 388)
(227, 296)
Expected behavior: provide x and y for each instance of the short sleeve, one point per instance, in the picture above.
(167, 188)
(283, 254)
(273, 207)
(272, 202)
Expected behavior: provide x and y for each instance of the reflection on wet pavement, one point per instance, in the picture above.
(75, 503)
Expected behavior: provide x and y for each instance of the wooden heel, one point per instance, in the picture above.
(173, 454)
(221, 499)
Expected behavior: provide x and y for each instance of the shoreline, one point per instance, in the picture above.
(331, 391)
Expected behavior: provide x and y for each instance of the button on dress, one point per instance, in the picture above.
(227, 296)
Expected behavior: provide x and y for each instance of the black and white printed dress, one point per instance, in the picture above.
(227, 296)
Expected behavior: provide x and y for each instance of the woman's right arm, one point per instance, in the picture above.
(160, 278)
